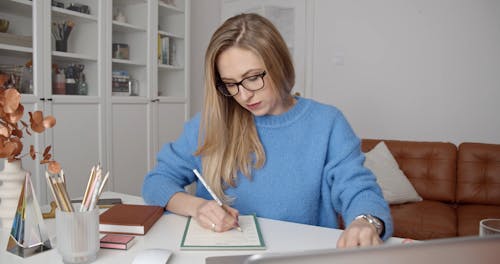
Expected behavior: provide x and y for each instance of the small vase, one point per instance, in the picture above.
(11, 182)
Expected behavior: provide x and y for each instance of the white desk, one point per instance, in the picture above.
(167, 233)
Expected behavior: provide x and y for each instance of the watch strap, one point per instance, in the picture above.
(376, 222)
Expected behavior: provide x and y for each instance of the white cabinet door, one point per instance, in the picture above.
(170, 122)
(130, 147)
(76, 142)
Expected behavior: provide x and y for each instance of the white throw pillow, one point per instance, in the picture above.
(396, 187)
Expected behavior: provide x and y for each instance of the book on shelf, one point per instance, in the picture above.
(167, 50)
(129, 219)
(198, 238)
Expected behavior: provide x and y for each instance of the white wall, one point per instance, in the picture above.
(399, 69)
(205, 17)
(412, 69)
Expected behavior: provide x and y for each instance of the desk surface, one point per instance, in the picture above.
(279, 236)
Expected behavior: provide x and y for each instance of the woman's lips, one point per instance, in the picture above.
(253, 106)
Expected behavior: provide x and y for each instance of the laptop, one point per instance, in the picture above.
(460, 250)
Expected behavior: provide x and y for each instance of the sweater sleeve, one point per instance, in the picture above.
(354, 189)
(173, 170)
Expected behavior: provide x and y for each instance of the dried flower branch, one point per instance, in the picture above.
(12, 127)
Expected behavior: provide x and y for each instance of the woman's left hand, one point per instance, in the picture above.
(359, 233)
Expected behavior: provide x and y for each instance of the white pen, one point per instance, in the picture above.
(198, 175)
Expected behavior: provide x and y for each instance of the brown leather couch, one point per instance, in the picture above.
(459, 186)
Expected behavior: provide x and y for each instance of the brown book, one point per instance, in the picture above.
(129, 219)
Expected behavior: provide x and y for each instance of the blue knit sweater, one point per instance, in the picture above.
(314, 169)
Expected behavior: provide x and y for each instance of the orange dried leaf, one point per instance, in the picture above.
(54, 167)
(7, 149)
(37, 127)
(47, 157)
(46, 150)
(17, 132)
(18, 146)
(32, 152)
(49, 122)
(4, 131)
(37, 122)
(12, 100)
(36, 116)
(16, 115)
(24, 123)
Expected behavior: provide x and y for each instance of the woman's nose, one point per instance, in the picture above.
(244, 93)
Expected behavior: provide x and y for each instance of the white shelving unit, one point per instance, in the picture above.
(144, 122)
(123, 133)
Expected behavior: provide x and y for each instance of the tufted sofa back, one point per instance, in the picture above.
(430, 166)
(478, 179)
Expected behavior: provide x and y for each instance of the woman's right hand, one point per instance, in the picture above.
(216, 218)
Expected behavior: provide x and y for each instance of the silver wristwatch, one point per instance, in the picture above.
(379, 226)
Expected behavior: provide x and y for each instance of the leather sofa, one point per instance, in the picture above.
(459, 186)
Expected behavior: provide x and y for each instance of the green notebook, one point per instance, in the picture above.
(198, 238)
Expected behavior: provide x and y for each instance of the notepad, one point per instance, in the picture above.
(198, 238)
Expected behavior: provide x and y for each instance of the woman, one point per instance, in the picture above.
(264, 151)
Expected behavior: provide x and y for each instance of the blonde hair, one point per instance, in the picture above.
(228, 137)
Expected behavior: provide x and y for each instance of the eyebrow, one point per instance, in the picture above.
(244, 75)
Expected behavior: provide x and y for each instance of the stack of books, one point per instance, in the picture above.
(120, 83)
(166, 50)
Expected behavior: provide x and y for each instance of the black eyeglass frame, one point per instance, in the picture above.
(221, 86)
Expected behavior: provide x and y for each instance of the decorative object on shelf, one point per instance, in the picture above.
(26, 82)
(17, 40)
(120, 17)
(28, 235)
(133, 87)
(83, 88)
(67, 80)
(61, 31)
(4, 25)
(12, 130)
(57, 4)
(120, 51)
(124, 84)
(79, 8)
(59, 86)
(10, 75)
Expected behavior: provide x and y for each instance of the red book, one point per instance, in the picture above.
(129, 219)
(115, 241)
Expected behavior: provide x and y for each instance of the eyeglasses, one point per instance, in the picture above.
(251, 83)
